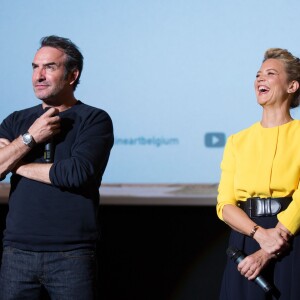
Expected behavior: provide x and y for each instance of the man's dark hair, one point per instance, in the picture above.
(74, 59)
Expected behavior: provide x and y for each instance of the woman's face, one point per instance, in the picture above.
(271, 84)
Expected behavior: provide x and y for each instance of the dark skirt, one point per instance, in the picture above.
(283, 273)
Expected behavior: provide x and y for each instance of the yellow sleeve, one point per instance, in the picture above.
(226, 186)
(290, 218)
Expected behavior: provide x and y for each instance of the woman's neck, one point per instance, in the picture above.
(273, 118)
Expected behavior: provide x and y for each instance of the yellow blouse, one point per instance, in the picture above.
(263, 162)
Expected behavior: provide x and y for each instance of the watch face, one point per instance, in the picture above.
(27, 138)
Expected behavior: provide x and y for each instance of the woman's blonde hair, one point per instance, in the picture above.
(292, 68)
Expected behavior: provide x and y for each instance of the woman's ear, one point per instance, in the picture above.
(293, 87)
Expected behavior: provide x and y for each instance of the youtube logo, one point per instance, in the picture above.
(214, 139)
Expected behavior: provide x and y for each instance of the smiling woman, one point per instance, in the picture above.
(273, 85)
(259, 196)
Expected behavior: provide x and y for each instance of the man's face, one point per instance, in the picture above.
(48, 78)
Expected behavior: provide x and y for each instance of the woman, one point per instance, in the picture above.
(259, 194)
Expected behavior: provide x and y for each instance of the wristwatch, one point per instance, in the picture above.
(28, 139)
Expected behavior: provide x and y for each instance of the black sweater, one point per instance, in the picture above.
(63, 215)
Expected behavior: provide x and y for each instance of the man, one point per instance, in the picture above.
(51, 226)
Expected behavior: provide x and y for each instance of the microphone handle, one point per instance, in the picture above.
(237, 257)
(49, 151)
(263, 283)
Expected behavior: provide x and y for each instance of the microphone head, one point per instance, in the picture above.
(231, 251)
(235, 254)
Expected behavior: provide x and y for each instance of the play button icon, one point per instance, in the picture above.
(214, 139)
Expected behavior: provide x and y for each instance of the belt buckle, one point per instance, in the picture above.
(250, 207)
(267, 207)
(275, 206)
(264, 208)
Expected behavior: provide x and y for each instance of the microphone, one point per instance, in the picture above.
(237, 256)
(49, 151)
(49, 147)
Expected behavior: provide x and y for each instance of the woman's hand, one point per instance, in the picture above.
(273, 240)
(251, 265)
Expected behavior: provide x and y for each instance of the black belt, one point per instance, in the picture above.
(264, 207)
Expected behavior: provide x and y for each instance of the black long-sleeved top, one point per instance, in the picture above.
(62, 215)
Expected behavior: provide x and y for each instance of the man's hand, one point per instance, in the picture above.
(46, 126)
(4, 142)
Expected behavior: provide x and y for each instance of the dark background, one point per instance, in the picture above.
(158, 252)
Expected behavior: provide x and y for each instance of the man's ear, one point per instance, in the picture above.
(73, 76)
